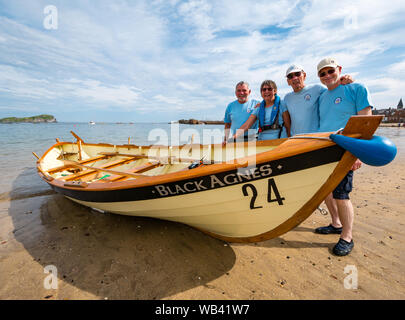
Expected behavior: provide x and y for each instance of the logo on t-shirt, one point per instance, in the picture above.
(338, 100)
(307, 97)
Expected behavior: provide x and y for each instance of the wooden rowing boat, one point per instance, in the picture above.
(237, 193)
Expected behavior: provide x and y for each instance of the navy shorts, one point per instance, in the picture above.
(344, 188)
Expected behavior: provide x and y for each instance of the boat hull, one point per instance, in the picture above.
(252, 198)
(240, 203)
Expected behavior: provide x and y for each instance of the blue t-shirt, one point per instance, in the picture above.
(237, 114)
(303, 107)
(338, 105)
(270, 134)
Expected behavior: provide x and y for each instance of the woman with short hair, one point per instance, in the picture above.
(270, 112)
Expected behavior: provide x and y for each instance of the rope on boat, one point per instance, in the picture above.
(323, 211)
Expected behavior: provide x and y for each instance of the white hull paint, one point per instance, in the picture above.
(226, 211)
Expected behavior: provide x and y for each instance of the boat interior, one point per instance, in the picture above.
(85, 162)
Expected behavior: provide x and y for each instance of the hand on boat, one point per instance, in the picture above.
(356, 165)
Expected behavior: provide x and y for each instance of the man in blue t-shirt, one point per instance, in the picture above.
(238, 111)
(336, 106)
(302, 103)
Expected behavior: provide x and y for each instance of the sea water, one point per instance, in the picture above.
(18, 141)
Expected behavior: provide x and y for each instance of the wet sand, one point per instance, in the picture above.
(106, 256)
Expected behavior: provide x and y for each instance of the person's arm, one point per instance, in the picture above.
(246, 126)
(287, 122)
(365, 112)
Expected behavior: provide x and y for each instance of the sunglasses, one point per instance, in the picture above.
(294, 74)
(267, 89)
(330, 71)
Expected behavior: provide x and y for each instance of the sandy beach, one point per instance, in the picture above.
(105, 256)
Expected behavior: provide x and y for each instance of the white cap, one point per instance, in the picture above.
(327, 62)
(294, 68)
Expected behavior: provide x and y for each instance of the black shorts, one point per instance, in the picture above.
(344, 188)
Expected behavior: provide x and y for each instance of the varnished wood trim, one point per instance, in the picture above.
(44, 175)
(76, 184)
(160, 159)
(86, 161)
(285, 148)
(79, 145)
(140, 169)
(366, 125)
(76, 136)
(104, 168)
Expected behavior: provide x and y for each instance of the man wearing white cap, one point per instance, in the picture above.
(336, 106)
(303, 103)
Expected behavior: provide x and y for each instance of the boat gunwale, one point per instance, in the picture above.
(281, 151)
(287, 148)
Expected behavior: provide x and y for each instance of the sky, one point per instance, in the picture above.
(159, 61)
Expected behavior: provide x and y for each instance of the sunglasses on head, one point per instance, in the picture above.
(323, 73)
(267, 89)
(296, 74)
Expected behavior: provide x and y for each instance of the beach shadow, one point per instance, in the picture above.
(304, 229)
(282, 243)
(118, 257)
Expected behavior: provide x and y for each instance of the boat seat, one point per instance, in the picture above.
(143, 168)
(108, 165)
(86, 161)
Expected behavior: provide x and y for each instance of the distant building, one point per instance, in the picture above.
(400, 105)
(392, 115)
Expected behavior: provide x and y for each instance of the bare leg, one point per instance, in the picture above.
(346, 215)
(333, 210)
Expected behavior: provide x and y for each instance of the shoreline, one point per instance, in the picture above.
(399, 125)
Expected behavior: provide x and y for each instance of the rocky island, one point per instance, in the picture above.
(194, 121)
(35, 119)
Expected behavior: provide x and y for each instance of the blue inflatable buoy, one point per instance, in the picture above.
(378, 151)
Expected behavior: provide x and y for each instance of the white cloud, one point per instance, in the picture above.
(187, 56)
(397, 69)
(20, 108)
(117, 95)
(197, 13)
(388, 91)
(187, 86)
(167, 99)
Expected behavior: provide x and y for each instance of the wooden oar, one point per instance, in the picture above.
(122, 173)
(161, 159)
(84, 162)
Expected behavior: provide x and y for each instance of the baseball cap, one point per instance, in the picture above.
(327, 62)
(294, 68)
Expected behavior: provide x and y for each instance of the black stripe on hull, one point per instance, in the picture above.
(213, 181)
